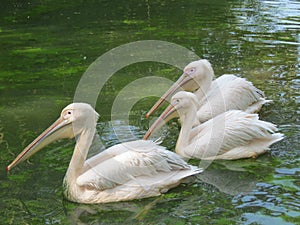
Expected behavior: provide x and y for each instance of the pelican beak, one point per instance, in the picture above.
(185, 82)
(169, 113)
(58, 130)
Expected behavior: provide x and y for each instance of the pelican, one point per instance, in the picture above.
(231, 135)
(126, 171)
(215, 97)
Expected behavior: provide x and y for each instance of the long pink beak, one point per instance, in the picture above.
(169, 113)
(178, 85)
(59, 129)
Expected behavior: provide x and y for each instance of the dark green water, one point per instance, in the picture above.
(45, 48)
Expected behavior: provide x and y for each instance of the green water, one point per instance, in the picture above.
(46, 46)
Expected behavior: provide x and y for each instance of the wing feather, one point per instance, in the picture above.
(226, 131)
(124, 162)
(229, 92)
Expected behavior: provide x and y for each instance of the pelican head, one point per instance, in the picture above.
(182, 103)
(195, 74)
(73, 119)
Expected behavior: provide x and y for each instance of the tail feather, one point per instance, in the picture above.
(276, 137)
(252, 150)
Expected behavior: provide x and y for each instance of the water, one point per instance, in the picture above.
(46, 47)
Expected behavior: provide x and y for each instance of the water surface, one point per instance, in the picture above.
(47, 45)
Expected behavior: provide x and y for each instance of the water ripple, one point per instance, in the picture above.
(267, 18)
(272, 198)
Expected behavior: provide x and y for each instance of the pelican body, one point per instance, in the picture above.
(126, 171)
(231, 135)
(227, 92)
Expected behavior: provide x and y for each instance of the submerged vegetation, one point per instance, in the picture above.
(46, 46)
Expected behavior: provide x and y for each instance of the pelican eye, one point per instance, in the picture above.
(67, 114)
(191, 70)
(176, 100)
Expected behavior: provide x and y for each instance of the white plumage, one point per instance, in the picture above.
(126, 171)
(230, 135)
(227, 92)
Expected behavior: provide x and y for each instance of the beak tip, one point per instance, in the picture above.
(147, 116)
(7, 169)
